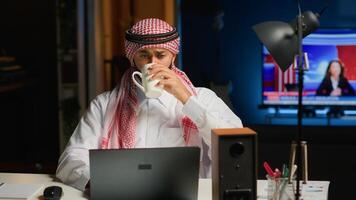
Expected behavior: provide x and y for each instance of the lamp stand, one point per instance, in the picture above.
(300, 101)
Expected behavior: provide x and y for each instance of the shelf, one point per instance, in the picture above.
(319, 120)
(13, 86)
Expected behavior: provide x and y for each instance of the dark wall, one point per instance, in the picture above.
(201, 30)
(29, 114)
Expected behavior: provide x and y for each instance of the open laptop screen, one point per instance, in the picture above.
(147, 173)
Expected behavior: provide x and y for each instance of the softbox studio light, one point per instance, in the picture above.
(281, 38)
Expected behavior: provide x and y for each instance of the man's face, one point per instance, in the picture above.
(154, 55)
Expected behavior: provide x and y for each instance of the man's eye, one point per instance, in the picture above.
(160, 56)
(143, 55)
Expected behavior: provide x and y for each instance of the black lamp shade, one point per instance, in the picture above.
(310, 22)
(281, 39)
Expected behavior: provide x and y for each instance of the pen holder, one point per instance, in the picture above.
(278, 188)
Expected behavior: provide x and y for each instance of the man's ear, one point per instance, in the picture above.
(173, 59)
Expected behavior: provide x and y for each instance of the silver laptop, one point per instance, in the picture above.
(145, 174)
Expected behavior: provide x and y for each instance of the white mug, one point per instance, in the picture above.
(148, 86)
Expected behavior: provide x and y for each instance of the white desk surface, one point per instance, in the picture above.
(204, 193)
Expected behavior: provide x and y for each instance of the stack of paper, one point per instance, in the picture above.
(19, 191)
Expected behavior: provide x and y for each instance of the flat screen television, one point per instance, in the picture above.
(281, 88)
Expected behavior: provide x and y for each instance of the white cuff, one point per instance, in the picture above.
(83, 180)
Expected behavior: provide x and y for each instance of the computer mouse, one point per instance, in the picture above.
(52, 193)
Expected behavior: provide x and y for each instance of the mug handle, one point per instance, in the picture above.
(135, 81)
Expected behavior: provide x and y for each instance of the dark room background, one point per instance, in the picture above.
(219, 50)
(28, 96)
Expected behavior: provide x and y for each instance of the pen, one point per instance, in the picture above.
(283, 188)
(277, 173)
(283, 170)
(268, 169)
(285, 173)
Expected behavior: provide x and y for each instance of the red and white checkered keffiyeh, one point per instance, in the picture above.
(121, 113)
(150, 26)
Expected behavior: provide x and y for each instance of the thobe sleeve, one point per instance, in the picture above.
(73, 166)
(208, 111)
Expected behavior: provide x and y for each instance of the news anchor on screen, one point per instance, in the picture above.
(334, 82)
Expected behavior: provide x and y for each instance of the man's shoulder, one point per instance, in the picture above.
(103, 96)
(102, 99)
(203, 91)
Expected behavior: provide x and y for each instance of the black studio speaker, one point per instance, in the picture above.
(234, 164)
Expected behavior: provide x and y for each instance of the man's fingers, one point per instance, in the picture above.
(161, 75)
